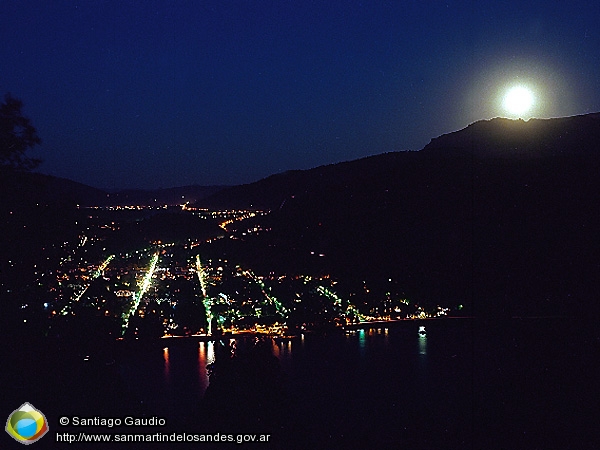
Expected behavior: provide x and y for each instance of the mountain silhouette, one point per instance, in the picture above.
(536, 138)
(501, 216)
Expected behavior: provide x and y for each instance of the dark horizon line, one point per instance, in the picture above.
(224, 186)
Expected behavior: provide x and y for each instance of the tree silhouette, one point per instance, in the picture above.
(17, 135)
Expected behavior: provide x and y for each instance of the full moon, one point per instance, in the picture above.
(518, 100)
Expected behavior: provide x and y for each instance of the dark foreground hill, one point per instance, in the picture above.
(501, 216)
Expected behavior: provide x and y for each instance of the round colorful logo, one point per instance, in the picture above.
(27, 424)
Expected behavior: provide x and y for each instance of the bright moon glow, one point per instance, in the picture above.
(518, 100)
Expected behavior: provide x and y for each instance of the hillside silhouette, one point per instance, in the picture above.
(500, 216)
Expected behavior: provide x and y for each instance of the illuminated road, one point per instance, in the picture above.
(351, 310)
(244, 216)
(95, 274)
(205, 300)
(281, 310)
(137, 297)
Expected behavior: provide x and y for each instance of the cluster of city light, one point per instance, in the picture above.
(228, 311)
(351, 310)
(102, 267)
(275, 329)
(209, 302)
(238, 216)
(281, 310)
(337, 301)
(224, 224)
(441, 311)
(127, 207)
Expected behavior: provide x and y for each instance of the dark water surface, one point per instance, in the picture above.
(462, 383)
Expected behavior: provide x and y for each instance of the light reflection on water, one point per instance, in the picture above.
(315, 366)
(176, 371)
(368, 338)
(179, 377)
(422, 341)
(422, 344)
(362, 341)
(276, 350)
(206, 356)
(201, 354)
(403, 378)
(167, 364)
(283, 349)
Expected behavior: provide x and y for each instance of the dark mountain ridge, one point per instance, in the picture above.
(167, 196)
(573, 137)
(501, 215)
(41, 188)
(535, 138)
(34, 187)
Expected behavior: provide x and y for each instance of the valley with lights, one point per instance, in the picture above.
(195, 287)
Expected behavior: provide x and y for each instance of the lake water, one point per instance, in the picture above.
(459, 383)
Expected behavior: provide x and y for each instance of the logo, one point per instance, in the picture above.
(27, 424)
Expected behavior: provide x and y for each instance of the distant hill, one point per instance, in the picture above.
(272, 192)
(502, 216)
(499, 138)
(39, 188)
(46, 188)
(169, 196)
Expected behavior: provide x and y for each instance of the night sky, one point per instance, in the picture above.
(168, 93)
